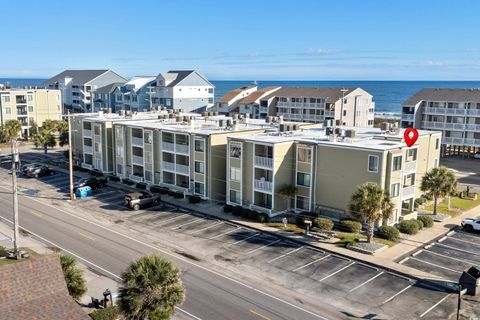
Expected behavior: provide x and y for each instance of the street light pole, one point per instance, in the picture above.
(15, 161)
(70, 156)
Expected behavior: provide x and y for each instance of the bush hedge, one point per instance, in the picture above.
(420, 224)
(3, 251)
(427, 221)
(262, 217)
(155, 189)
(194, 199)
(113, 178)
(178, 195)
(351, 226)
(109, 313)
(237, 210)
(141, 185)
(300, 221)
(164, 190)
(323, 224)
(227, 208)
(408, 227)
(389, 233)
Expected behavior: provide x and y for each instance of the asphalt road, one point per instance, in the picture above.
(210, 294)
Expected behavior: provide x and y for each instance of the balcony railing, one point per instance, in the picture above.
(87, 133)
(181, 168)
(138, 142)
(138, 160)
(168, 146)
(408, 192)
(454, 126)
(313, 117)
(88, 149)
(136, 178)
(410, 167)
(263, 185)
(169, 166)
(300, 105)
(472, 127)
(181, 148)
(408, 117)
(330, 114)
(473, 112)
(264, 162)
(462, 141)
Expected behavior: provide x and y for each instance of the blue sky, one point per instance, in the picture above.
(245, 40)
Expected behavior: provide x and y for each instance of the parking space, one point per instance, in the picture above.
(447, 257)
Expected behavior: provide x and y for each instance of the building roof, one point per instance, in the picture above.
(36, 289)
(233, 93)
(78, 76)
(329, 94)
(181, 74)
(254, 96)
(139, 82)
(447, 95)
(109, 88)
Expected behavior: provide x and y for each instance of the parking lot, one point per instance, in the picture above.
(345, 283)
(448, 256)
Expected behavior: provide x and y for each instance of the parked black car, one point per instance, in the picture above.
(41, 171)
(92, 182)
(143, 199)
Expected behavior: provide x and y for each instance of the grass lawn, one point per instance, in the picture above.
(353, 238)
(290, 227)
(457, 206)
(9, 261)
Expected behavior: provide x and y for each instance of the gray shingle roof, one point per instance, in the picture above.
(181, 74)
(79, 77)
(329, 94)
(109, 88)
(447, 95)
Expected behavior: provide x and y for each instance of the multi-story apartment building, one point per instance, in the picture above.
(104, 98)
(29, 105)
(77, 86)
(186, 90)
(135, 95)
(327, 168)
(454, 112)
(228, 102)
(350, 107)
(251, 104)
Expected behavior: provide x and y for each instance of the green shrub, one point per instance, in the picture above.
(262, 217)
(227, 208)
(323, 224)
(351, 226)
(141, 185)
(252, 215)
(114, 178)
(427, 197)
(389, 233)
(245, 212)
(3, 251)
(237, 210)
(420, 224)
(164, 190)
(178, 195)
(300, 221)
(109, 313)
(155, 189)
(194, 199)
(427, 221)
(408, 227)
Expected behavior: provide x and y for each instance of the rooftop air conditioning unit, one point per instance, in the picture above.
(350, 134)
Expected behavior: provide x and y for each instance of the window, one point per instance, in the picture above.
(168, 102)
(210, 90)
(372, 163)
(96, 130)
(119, 169)
(97, 147)
(134, 98)
(304, 155)
(8, 110)
(437, 144)
(395, 190)
(412, 154)
(199, 188)
(303, 203)
(148, 175)
(147, 137)
(199, 167)
(235, 174)
(235, 150)
(435, 163)
(148, 157)
(397, 163)
(30, 108)
(303, 179)
(29, 97)
(6, 99)
(210, 100)
(344, 113)
(235, 196)
(119, 151)
(199, 145)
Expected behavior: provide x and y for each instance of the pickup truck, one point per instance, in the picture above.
(471, 224)
(92, 182)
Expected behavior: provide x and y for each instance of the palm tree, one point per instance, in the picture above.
(62, 128)
(74, 279)
(44, 139)
(50, 125)
(33, 129)
(438, 182)
(150, 289)
(289, 191)
(370, 203)
(12, 129)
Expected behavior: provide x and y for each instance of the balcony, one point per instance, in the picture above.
(454, 111)
(88, 149)
(330, 114)
(262, 185)
(182, 148)
(408, 192)
(472, 127)
(168, 146)
(410, 167)
(300, 105)
(313, 117)
(183, 169)
(87, 133)
(138, 160)
(473, 112)
(457, 141)
(138, 142)
(408, 215)
(264, 162)
(169, 166)
(408, 117)
(454, 126)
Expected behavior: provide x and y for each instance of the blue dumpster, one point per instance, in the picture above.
(83, 192)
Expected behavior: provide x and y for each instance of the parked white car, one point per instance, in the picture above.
(471, 224)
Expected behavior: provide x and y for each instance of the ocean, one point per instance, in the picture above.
(388, 95)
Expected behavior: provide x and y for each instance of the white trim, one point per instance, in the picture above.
(368, 163)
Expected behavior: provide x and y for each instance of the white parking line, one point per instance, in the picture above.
(259, 248)
(181, 215)
(312, 262)
(253, 235)
(449, 257)
(186, 224)
(470, 242)
(369, 280)
(396, 294)
(286, 254)
(324, 278)
(224, 233)
(455, 248)
(436, 304)
(435, 265)
(210, 226)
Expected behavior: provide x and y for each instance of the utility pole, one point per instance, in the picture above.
(70, 156)
(15, 161)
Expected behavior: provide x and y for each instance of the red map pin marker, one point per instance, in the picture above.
(410, 135)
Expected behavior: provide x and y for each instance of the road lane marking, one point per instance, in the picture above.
(332, 274)
(310, 263)
(435, 265)
(286, 254)
(217, 223)
(259, 248)
(86, 236)
(36, 213)
(183, 259)
(253, 235)
(369, 280)
(433, 307)
(396, 294)
(261, 316)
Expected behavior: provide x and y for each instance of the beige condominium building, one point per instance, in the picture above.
(454, 112)
(327, 168)
(29, 105)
